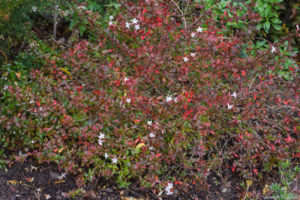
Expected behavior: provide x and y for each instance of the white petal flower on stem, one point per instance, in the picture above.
(47, 196)
(101, 136)
(193, 54)
(110, 23)
(229, 106)
(152, 135)
(111, 17)
(169, 98)
(149, 123)
(234, 94)
(134, 21)
(199, 30)
(100, 142)
(34, 8)
(114, 160)
(168, 189)
(62, 176)
(168, 192)
(106, 155)
(193, 34)
(127, 25)
(273, 49)
(128, 100)
(185, 59)
(137, 27)
(126, 79)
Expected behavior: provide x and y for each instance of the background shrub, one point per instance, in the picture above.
(155, 99)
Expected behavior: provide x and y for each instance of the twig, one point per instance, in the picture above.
(181, 12)
(4, 56)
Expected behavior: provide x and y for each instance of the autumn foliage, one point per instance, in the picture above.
(173, 103)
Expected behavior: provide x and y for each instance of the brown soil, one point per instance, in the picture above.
(31, 181)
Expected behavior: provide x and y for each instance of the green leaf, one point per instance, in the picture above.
(267, 12)
(275, 20)
(82, 29)
(259, 26)
(276, 27)
(267, 26)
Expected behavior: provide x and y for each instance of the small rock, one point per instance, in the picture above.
(108, 190)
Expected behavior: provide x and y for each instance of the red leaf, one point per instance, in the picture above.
(233, 169)
(243, 73)
(255, 171)
(289, 139)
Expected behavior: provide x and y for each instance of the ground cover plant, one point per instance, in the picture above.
(158, 99)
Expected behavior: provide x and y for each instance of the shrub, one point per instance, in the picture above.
(156, 102)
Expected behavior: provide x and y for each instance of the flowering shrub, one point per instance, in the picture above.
(156, 102)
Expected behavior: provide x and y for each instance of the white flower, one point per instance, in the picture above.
(168, 192)
(106, 155)
(62, 176)
(100, 142)
(193, 54)
(273, 49)
(137, 27)
(169, 98)
(175, 99)
(34, 8)
(127, 25)
(128, 100)
(111, 17)
(114, 160)
(229, 106)
(47, 196)
(101, 136)
(5, 87)
(32, 44)
(234, 94)
(110, 23)
(1, 37)
(193, 34)
(31, 102)
(185, 59)
(199, 29)
(149, 123)
(152, 135)
(170, 186)
(151, 148)
(126, 79)
(134, 21)
(81, 7)
(168, 189)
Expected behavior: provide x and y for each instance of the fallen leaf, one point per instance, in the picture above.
(140, 145)
(13, 182)
(266, 189)
(249, 183)
(58, 182)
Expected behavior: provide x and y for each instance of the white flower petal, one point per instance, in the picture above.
(134, 21)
